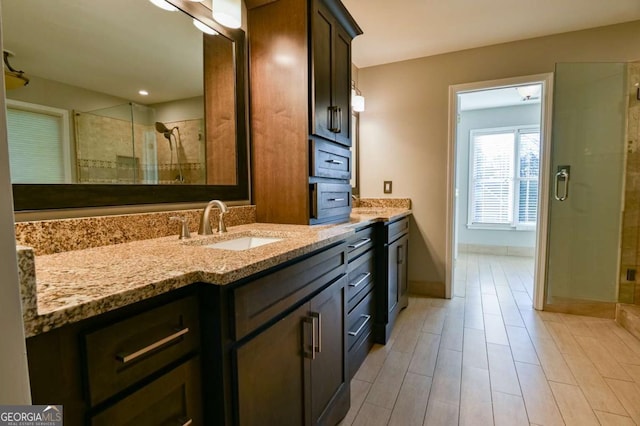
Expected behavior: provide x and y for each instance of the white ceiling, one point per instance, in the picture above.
(405, 29)
(115, 47)
(494, 98)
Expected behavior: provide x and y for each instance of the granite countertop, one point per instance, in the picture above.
(70, 286)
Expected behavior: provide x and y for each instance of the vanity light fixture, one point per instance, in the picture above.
(162, 4)
(227, 12)
(357, 100)
(204, 28)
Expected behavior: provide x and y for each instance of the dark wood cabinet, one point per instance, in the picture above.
(392, 290)
(300, 64)
(331, 76)
(138, 365)
(175, 398)
(294, 372)
(361, 296)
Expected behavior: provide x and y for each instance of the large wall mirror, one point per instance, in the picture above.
(127, 103)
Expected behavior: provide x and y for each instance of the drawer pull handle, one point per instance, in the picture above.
(336, 199)
(366, 320)
(137, 354)
(363, 278)
(332, 161)
(360, 244)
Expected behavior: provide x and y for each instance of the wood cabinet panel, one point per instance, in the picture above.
(173, 399)
(126, 352)
(260, 300)
(271, 374)
(330, 160)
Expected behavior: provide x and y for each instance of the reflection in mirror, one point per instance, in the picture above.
(105, 77)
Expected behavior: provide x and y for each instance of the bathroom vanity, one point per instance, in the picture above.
(270, 335)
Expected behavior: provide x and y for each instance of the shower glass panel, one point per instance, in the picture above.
(586, 185)
(121, 145)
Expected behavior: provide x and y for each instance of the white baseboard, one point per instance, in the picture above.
(497, 250)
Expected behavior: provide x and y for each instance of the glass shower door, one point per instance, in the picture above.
(586, 186)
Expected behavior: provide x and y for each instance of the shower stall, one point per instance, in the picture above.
(121, 145)
(587, 187)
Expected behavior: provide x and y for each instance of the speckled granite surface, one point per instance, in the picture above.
(56, 236)
(400, 203)
(70, 286)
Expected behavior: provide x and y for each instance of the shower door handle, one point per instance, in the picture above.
(562, 177)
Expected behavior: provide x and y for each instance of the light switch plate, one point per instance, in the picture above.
(388, 187)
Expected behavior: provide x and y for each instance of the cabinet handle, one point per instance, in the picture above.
(366, 320)
(310, 354)
(360, 244)
(400, 253)
(335, 199)
(332, 161)
(364, 276)
(316, 315)
(332, 119)
(339, 120)
(137, 354)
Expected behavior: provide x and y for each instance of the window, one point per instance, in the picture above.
(38, 143)
(504, 170)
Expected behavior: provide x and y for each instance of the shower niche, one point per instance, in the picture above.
(126, 144)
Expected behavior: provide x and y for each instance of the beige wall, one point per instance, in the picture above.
(14, 378)
(404, 130)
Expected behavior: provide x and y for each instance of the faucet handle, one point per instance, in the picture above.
(184, 228)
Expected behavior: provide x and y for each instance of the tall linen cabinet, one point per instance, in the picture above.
(300, 85)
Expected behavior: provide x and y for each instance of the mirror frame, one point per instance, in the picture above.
(68, 196)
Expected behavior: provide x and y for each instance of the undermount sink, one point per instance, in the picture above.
(243, 243)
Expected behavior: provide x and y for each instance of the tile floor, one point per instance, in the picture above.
(486, 357)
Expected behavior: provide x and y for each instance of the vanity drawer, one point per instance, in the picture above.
(172, 399)
(397, 229)
(126, 352)
(360, 320)
(360, 242)
(360, 279)
(263, 299)
(330, 160)
(330, 199)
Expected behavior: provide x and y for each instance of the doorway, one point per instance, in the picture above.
(498, 145)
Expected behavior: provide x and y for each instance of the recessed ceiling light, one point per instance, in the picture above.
(204, 28)
(162, 4)
(143, 92)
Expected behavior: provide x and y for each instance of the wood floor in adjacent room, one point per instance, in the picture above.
(486, 357)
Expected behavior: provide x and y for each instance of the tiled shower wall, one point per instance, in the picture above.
(105, 153)
(630, 253)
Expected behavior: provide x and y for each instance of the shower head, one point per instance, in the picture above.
(161, 128)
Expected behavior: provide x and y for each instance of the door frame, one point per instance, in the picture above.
(546, 79)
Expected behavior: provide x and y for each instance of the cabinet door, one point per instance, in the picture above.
(328, 367)
(271, 374)
(403, 254)
(342, 85)
(392, 274)
(322, 110)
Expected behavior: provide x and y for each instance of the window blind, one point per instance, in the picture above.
(492, 178)
(35, 147)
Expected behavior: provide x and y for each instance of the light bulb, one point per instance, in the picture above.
(204, 28)
(162, 4)
(227, 12)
